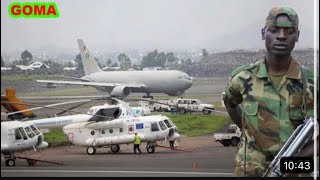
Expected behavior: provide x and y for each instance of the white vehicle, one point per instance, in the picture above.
(195, 105)
(157, 106)
(230, 138)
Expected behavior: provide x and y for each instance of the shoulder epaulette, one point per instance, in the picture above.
(241, 68)
(308, 72)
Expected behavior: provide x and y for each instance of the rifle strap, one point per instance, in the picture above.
(304, 97)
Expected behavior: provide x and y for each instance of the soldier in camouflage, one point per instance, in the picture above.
(270, 94)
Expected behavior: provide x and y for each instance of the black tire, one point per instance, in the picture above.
(10, 162)
(91, 150)
(151, 149)
(234, 141)
(206, 112)
(182, 111)
(115, 148)
(226, 142)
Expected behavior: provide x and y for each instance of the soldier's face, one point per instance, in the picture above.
(280, 41)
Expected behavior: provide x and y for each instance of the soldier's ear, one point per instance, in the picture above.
(297, 38)
(263, 33)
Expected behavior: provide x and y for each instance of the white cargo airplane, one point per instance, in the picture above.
(122, 83)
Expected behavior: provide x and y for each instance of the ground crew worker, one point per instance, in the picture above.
(270, 92)
(137, 142)
(171, 143)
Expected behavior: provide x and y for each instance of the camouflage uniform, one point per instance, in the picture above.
(269, 115)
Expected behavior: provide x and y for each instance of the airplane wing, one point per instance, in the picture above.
(92, 83)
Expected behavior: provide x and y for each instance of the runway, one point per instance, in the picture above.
(206, 159)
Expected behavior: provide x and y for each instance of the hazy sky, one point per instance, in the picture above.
(150, 24)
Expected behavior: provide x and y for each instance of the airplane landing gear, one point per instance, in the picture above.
(148, 96)
(10, 159)
(91, 150)
(151, 147)
(115, 148)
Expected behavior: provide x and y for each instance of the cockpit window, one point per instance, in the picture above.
(106, 114)
(24, 135)
(29, 132)
(17, 134)
(35, 130)
(167, 123)
(162, 125)
(154, 126)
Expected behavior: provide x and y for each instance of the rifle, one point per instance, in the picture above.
(301, 135)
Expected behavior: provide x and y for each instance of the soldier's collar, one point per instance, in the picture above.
(262, 72)
(293, 71)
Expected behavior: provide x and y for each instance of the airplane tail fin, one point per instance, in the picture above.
(89, 64)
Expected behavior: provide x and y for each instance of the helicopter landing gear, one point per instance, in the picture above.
(91, 150)
(10, 159)
(115, 148)
(10, 162)
(151, 147)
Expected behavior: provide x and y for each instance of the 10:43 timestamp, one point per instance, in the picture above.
(296, 165)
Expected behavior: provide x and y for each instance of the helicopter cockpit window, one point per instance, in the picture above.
(29, 132)
(35, 130)
(24, 135)
(106, 114)
(154, 126)
(167, 123)
(17, 134)
(162, 125)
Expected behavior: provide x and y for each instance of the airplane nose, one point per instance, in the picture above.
(188, 84)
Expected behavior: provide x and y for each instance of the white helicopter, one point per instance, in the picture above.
(94, 135)
(19, 136)
(111, 125)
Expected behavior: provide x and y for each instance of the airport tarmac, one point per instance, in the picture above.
(198, 157)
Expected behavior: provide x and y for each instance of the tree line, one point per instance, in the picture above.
(151, 59)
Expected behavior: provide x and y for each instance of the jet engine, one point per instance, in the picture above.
(120, 91)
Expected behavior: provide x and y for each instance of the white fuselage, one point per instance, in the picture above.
(171, 82)
(18, 136)
(119, 131)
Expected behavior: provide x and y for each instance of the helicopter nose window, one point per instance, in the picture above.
(29, 132)
(167, 123)
(35, 130)
(162, 125)
(24, 135)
